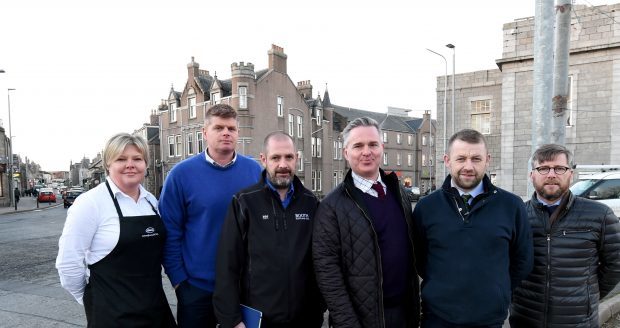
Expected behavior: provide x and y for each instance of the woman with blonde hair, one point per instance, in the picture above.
(110, 250)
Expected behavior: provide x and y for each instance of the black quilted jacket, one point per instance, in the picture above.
(576, 262)
(347, 258)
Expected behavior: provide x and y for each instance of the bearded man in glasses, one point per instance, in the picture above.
(576, 249)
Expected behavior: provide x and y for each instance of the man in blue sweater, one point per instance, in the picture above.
(473, 243)
(193, 206)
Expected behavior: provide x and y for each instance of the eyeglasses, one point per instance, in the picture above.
(559, 170)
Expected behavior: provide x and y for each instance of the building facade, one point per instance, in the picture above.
(498, 102)
(268, 100)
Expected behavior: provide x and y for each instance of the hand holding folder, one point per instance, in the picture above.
(251, 317)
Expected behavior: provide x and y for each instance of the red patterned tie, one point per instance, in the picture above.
(379, 189)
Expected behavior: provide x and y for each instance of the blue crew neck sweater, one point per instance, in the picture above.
(193, 205)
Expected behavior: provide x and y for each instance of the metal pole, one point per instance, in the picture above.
(560, 80)
(11, 192)
(445, 105)
(453, 47)
(543, 77)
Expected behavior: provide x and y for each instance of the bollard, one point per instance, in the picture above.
(37, 202)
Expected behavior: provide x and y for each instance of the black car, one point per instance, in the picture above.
(70, 197)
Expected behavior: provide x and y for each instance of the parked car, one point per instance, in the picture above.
(70, 197)
(46, 195)
(602, 187)
(413, 193)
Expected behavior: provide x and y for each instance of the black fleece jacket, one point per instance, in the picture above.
(264, 259)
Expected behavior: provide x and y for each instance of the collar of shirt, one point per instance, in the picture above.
(289, 193)
(474, 192)
(116, 191)
(545, 203)
(365, 185)
(214, 163)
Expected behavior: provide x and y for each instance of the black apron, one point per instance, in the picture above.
(125, 287)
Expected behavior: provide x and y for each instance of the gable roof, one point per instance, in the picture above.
(386, 122)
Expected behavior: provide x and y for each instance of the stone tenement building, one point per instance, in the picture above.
(498, 102)
(268, 100)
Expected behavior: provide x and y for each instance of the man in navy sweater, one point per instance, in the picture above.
(362, 243)
(473, 243)
(193, 206)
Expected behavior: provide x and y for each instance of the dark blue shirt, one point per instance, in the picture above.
(289, 193)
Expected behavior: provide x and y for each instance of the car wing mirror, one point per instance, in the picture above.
(594, 195)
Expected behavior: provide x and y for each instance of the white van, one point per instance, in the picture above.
(602, 187)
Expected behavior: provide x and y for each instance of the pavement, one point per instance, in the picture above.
(27, 203)
(608, 307)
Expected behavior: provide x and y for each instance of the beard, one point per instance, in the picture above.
(548, 194)
(467, 184)
(280, 182)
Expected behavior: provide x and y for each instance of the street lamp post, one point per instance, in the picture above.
(451, 46)
(445, 104)
(11, 192)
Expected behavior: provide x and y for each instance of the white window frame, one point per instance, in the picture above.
(409, 159)
(319, 147)
(300, 161)
(340, 149)
(385, 159)
(300, 126)
(423, 159)
(481, 115)
(319, 117)
(243, 97)
(171, 146)
(189, 142)
(291, 125)
(398, 159)
(424, 139)
(199, 142)
(320, 180)
(385, 137)
(179, 145)
(398, 138)
(191, 103)
(280, 106)
(313, 147)
(215, 98)
(173, 112)
(409, 140)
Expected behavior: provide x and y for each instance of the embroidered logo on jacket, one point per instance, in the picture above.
(150, 232)
(265, 217)
(303, 216)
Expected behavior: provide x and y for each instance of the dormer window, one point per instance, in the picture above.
(191, 103)
(172, 112)
(215, 98)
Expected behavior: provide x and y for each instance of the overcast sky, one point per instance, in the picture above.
(84, 71)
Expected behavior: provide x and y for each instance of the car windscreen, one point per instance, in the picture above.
(580, 187)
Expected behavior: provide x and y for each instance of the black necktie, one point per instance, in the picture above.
(379, 189)
(466, 198)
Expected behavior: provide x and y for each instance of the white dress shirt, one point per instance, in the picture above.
(92, 230)
(365, 185)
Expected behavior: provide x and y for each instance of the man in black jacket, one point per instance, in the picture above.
(473, 242)
(576, 249)
(362, 244)
(264, 257)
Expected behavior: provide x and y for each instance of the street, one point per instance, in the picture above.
(30, 292)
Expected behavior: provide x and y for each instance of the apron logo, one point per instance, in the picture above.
(150, 232)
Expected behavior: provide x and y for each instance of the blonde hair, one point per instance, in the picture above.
(115, 146)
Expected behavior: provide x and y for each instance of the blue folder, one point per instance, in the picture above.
(251, 317)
